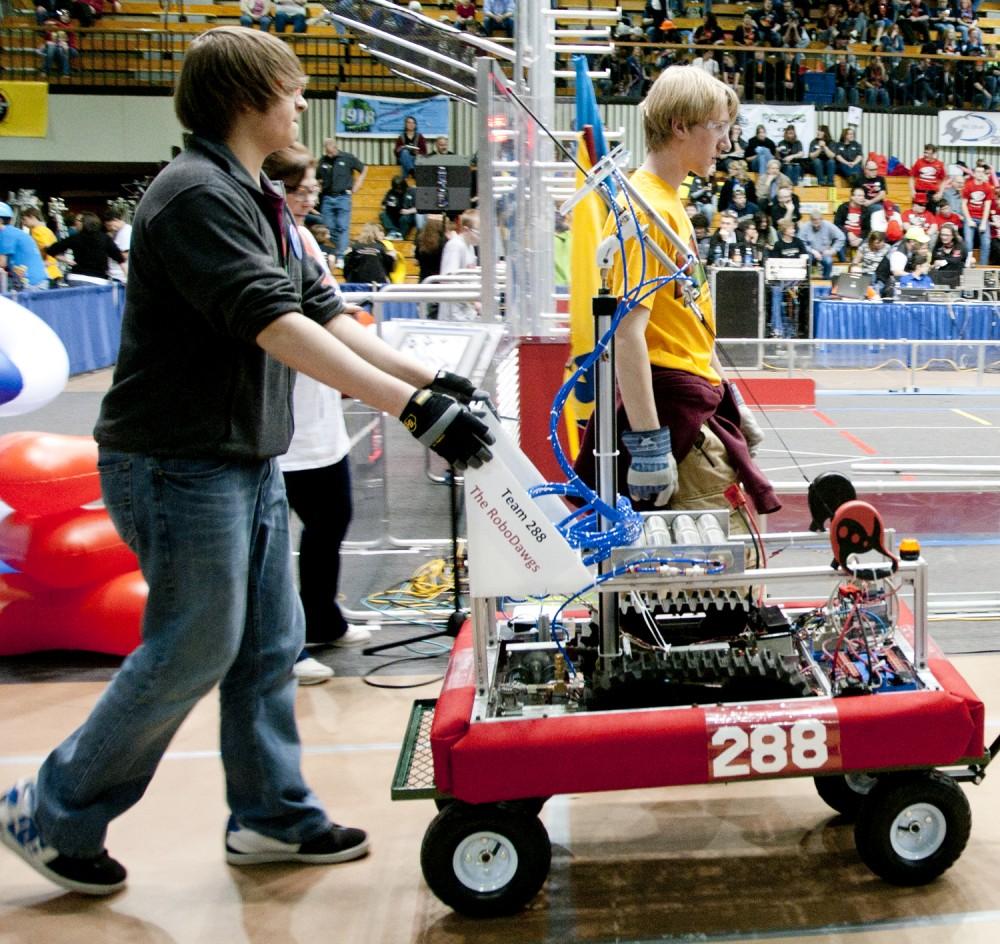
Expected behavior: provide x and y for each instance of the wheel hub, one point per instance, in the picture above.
(485, 861)
(918, 831)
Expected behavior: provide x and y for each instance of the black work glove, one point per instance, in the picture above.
(448, 428)
(456, 386)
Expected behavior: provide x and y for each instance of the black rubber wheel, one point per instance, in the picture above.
(911, 828)
(485, 861)
(844, 793)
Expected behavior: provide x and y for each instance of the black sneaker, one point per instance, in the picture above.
(94, 875)
(337, 844)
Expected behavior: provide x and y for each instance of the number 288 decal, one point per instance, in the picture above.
(771, 744)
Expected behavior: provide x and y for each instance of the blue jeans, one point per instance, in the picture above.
(407, 161)
(824, 169)
(263, 23)
(974, 234)
(281, 21)
(213, 543)
(336, 213)
(760, 158)
(779, 325)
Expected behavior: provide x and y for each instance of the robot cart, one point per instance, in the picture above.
(889, 757)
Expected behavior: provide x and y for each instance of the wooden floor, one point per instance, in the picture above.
(740, 863)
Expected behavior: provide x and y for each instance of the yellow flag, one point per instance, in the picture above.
(24, 109)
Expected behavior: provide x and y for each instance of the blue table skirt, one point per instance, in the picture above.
(908, 321)
(390, 310)
(87, 318)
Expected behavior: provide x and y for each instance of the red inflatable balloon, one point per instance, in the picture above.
(69, 549)
(103, 618)
(44, 473)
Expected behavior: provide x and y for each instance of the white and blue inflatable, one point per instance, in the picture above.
(34, 365)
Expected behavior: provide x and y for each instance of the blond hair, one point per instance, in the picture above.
(684, 96)
(229, 69)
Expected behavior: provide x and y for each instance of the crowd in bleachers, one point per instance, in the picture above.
(776, 44)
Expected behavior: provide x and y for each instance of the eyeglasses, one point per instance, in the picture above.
(717, 126)
(303, 193)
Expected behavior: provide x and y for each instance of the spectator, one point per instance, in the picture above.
(741, 206)
(919, 275)
(853, 220)
(19, 255)
(31, 219)
(770, 182)
(789, 152)
(737, 144)
(738, 178)
(410, 145)
(994, 236)
(980, 86)
(706, 62)
(723, 241)
(259, 13)
(823, 241)
(427, 250)
(59, 46)
(924, 83)
(892, 41)
(399, 215)
(974, 45)
(900, 258)
(368, 260)
(708, 33)
(787, 246)
(845, 88)
(465, 16)
(340, 176)
(882, 16)
(874, 83)
(978, 199)
(943, 17)
(626, 77)
(870, 257)
(760, 78)
(873, 184)
(88, 12)
(730, 75)
(440, 146)
(747, 34)
(920, 215)
(949, 250)
(759, 150)
(765, 229)
(121, 233)
(47, 10)
(830, 23)
(92, 249)
(498, 15)
(701, 193)
(927, 174)
(702, 237)
(290, 12)
(821, 157)
(654, 14)
(915, 21)
(753, 248)
(460, 253)
(784, 207)
(321, 233)
(848, 154)
(965, 17)
(769, 19)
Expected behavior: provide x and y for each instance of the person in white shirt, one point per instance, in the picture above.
(460, 253)
(121, 233)
(707, 63)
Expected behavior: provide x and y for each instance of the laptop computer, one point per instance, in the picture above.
(913, 294)
(851, 285)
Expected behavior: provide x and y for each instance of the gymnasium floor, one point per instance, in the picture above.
(748, 862)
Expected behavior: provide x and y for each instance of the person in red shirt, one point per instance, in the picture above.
(927, 173)
(978, 198)
(465, 15)
(854, 220)
(920, 215)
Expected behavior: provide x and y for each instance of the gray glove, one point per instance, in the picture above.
(653, 472)
(752, 433)
(448, 428)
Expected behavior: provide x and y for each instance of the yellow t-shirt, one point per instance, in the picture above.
(675, 336)
(44, 237)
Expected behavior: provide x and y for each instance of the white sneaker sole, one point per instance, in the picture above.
(263, 858)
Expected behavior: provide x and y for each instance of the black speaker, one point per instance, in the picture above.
(738, 296)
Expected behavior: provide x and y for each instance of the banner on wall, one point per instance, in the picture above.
(778, 117)
(969, 128)
(375, 116)
(24, 109)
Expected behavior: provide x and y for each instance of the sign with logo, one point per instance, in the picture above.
(775, 118)
(376, 116)
(24, 109)
(515, 547)
(969, 128)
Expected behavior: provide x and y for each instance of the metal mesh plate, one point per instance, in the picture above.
(414, 777)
